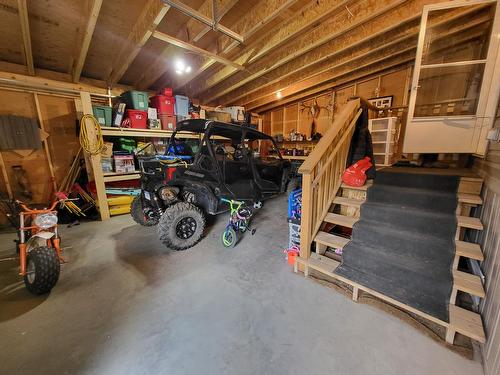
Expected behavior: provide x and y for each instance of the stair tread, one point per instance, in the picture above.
(469, 250)
(348, 201)
(469, 222)
(469, 198)
(468, 283)
(345, 221)
(322, 265)
(467, 323)
(330, 240)
(364, 187)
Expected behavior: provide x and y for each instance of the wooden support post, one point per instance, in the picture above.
(45, 144)
(25, 31)
(453, 297)
(95, 160)
(355, 293)
(320, 248)
(6, 178)
(450, 335)
(306, 220)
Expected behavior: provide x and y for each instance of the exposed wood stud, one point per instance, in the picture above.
(25, 29)
(87, 37)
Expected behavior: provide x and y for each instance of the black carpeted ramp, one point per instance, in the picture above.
(403, 246)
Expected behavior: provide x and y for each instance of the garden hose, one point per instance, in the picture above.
(92, 147)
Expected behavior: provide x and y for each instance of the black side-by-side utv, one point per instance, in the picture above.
(212, 160)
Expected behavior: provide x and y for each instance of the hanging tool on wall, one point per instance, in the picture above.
(91, 145)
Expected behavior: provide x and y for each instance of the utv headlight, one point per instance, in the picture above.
(169, 193)
(46, 221)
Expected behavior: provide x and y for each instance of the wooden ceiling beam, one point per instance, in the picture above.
(194, 29)
(361, 13)
(25, 30)
(191, 47)
(350, 66)
(146, 23)
(261, 15)
(362, 39)
(87, 37)
(187, 10)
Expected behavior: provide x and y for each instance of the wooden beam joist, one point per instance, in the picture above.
(191, 47)
(25, 30)
(194, 31)
(87, 37)
(259, 17)
(345, 70)
(142, 30)
(183, 8)
(360, 40)
(363, 11)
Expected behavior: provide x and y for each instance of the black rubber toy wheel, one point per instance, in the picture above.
(229, 238)
(181, 226)
(147, 218)
(42, 270)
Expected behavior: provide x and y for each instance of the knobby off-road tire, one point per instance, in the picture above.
(43, 268)
(137, 213)
(181, 226)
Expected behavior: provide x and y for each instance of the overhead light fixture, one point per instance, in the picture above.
(181, 67)
(278, 94)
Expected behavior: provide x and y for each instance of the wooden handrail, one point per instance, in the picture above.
(322, 172)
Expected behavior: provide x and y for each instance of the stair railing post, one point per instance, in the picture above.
(306, 218)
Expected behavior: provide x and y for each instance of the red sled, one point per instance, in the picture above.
(355, 175)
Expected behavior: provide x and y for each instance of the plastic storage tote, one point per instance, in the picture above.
(137, 100)
(181, 105)
(138, 119)
(167, 122)
(103, 114)
(163, 104)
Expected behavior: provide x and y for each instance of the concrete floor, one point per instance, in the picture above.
(126, 305)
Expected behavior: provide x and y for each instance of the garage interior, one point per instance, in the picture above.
(250, 187)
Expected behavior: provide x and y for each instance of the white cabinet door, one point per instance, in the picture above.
(454, 78)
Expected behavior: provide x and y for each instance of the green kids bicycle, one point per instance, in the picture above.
(239, 222)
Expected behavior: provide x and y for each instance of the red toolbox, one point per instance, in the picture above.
(167, 122)
(163, 104)
(138, 119)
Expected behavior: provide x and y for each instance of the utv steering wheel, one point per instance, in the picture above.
(238, 154)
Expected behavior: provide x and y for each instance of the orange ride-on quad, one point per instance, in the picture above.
(39, 248)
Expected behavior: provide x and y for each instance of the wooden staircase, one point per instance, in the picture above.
(339, 205)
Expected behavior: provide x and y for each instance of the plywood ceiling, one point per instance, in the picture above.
(289, 45)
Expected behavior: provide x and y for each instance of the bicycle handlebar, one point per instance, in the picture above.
(25, 208)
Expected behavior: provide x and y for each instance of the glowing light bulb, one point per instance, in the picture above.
(279, 95)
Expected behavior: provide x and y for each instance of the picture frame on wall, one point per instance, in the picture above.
(382, 101)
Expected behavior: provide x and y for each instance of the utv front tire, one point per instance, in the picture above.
(141, 217)
(181, 226)
(42, 270)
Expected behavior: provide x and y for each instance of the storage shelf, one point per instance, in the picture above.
(299, 142)
(113, 176)
(152, 133)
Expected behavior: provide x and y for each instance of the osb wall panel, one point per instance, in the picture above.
(393, 84)
(277, 122)
(291, 119)
(59, 120)
(58, 115)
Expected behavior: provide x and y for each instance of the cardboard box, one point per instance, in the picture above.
(152, 113)
(124, 163)
(107, 164)
(107, 151)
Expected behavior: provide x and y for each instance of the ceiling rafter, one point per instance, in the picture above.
(87, 37)
(365, 60)
(262, 14)
(193, 27)
(191, 47)
(386, 30)
(187, 10)
(25, 30)
(142, 30)
(365, 11)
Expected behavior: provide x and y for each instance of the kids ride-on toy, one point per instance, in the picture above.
(239, 221)
(39, 248)
(205, 161)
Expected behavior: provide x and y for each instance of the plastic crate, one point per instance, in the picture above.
(168, 122)
(137, 100)
(181, 105)
(103, 114)
(163, 104)
(138, 119)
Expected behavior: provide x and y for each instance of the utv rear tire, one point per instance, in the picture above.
(181, 226)
(42, 270)
(138, 214)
